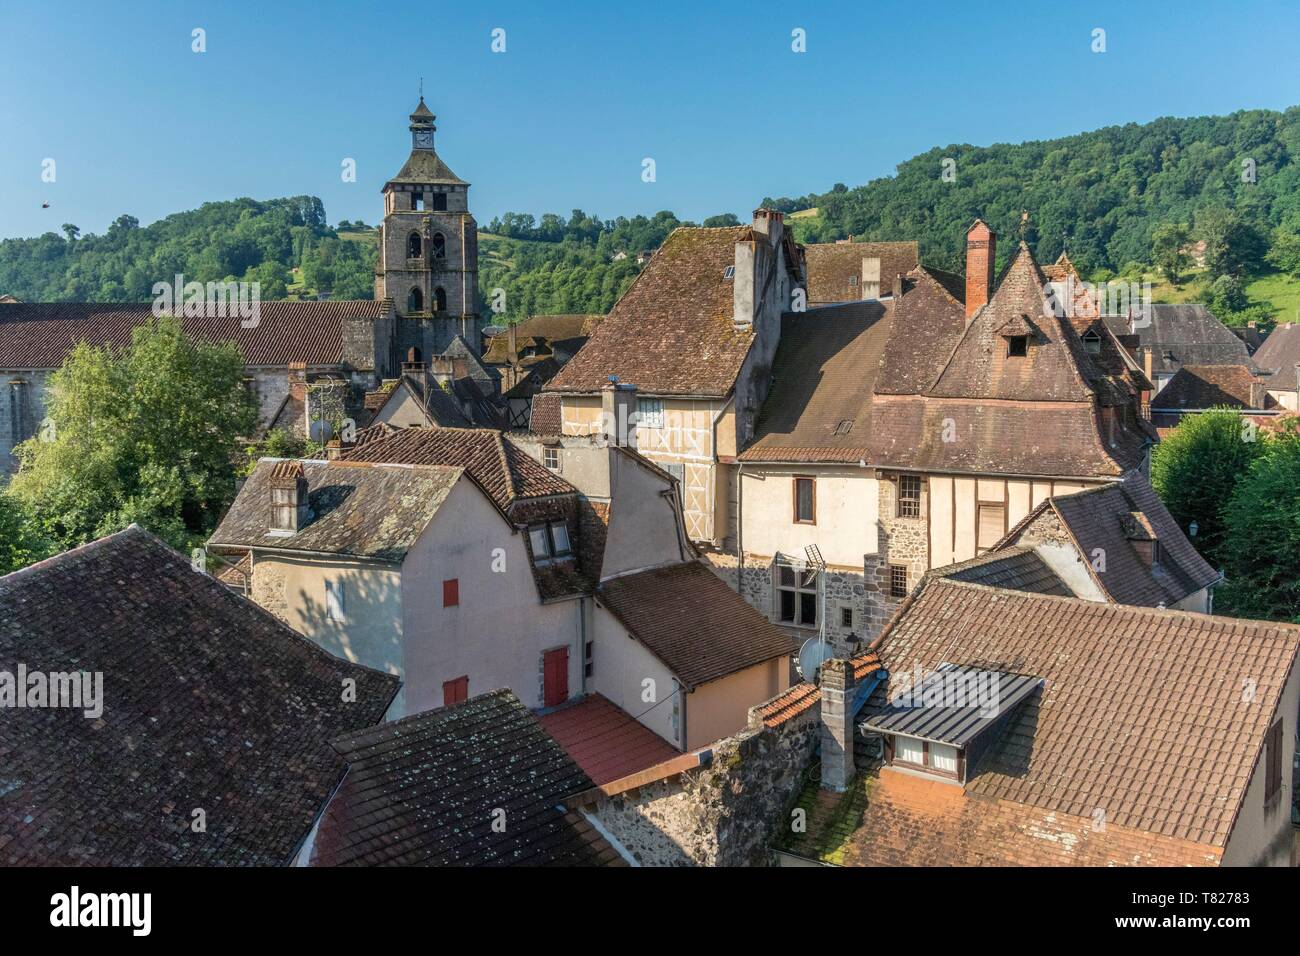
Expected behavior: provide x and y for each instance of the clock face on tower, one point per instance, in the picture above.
(423, 139)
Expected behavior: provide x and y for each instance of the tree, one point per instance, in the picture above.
(1167, 244)
(1196, 469)
(147, 434)
(20, 542)
(1284, 253)
(1227, 296)
(1232, 245)
(1261, 545)
(71, 231)
(724, 219)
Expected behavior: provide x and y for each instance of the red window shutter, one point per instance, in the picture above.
(451, 593)
(454, 691)
(555, 677)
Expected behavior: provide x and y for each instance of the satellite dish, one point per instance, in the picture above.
(812, 655)
(321, 431)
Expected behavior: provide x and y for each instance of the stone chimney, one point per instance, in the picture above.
(770, 223)
(618, 413)
(871, 288)
(981, 252)
(289, 499)
(837, 724)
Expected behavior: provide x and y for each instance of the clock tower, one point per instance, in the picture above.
(428, 248)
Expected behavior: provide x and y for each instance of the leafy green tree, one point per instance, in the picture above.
(1284, 253)
(1261, 546)
(1197, 467)
(725, 219)
(71, 231)
(278, 443)
(1233, 246)
(1167, 244)
(1228, 295)
(147, 434)
(20, 542)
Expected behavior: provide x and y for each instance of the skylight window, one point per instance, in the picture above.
(550, 541)
(729, 272)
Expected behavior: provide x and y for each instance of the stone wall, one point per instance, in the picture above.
(22, 409)
(725, 814)
(845, 588)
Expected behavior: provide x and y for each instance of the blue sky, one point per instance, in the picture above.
(140, 124)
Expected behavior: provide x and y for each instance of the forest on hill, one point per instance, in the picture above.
(1209, 207)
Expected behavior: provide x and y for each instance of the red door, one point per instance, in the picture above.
(555, 670)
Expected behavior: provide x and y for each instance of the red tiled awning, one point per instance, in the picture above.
(607, 743)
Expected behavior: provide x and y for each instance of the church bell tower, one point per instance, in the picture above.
(428, 251)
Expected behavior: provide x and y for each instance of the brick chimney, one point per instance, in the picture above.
(837, 724)
(618, 413)
(298, 381)
(981, 251)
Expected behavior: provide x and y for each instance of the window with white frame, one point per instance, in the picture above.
(909, 750)
(334, 600)
(650, 412)
(796, 596)
(551, 458)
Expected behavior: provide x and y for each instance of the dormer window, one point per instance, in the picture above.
(550, 542)
(1017, 346)
(1092, 342)
(941, 724)
(289, 498)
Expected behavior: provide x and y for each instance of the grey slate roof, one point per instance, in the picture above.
(1182, 334)
(1017, 569)
(358, 509)
(208, 702)
(1279, 355)
(425, 167)
(425, 791)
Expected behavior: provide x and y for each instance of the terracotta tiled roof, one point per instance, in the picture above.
(689, 619)
(1209, 386)
(819, 408)
(605, 742)
(1054, 368)
(930, 321)
(1060, 439)
(429, 789)
(924, 389)
(832, 264)
(359, 510)
(1279, 355)
(804, 696)
(913, 821)
(504, 470)
(1097, 520)
(209, 702)
(545, 414)
(40, 335)
(541, 329)
(671, 333)
(1132, 720)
